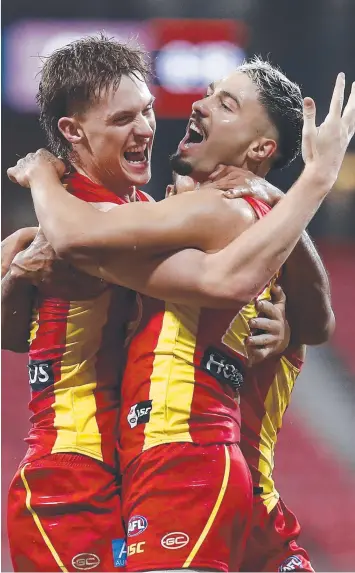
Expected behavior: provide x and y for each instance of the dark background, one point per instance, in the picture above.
(312, 40)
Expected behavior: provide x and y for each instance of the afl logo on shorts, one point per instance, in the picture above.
(175, 540)
(293, 563)
(136, 525)
(85, 561)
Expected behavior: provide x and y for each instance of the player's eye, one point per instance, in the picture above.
(225, 106)
(123, 120)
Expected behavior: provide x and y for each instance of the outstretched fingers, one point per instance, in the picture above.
(309, 120)
(349, 112)
(337, 101)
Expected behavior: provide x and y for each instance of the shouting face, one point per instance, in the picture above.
(229, 126)
(113, 138)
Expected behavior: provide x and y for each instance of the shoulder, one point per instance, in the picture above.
(218, 219)
(212, 202)
(237, 212)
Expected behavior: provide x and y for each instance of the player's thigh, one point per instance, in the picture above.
(184, 504)
(272, 544)
(63, 514)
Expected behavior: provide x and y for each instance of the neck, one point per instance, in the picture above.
(124, 191)
(259, 169)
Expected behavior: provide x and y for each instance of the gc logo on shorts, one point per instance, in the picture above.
(175, 540)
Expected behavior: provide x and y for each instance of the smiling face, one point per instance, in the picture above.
(114, 137)
(229, 126)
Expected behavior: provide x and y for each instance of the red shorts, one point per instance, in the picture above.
(64, 514)
(272, 543)
(185, 506)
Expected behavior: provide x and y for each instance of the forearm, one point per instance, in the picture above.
(249, 262)
(306, 284)
(16, 308)
(68, 215)
(84, 235)
(12, 245)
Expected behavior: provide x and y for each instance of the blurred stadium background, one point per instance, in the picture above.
(193, 42)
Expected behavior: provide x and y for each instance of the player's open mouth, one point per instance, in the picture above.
(195, 135)
(137, 156)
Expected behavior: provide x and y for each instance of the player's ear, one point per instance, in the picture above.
(70, 129)
(261, 149)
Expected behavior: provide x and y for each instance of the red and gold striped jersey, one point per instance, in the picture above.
(184, 368)
(75, 358)
(264, 399)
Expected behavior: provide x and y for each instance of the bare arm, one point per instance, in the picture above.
(306, 284)
(304, 277)
(93, 240)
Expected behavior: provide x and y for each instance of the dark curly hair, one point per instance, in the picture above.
(283, 102)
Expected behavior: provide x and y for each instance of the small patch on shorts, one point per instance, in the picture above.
(119, 552)
(293, 563)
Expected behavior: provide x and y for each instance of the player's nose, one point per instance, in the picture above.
(200, 107)
(144, 128)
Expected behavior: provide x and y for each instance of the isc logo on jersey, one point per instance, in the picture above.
(139, 413)
(136, 525)
(40, 374)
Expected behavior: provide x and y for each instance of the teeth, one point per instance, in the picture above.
(194, 127)
(137, 149)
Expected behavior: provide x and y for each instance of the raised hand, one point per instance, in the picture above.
(21, 172)
(324, 147)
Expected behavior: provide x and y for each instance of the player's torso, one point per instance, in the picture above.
(181, 382)
(264, 399)
(76, 359)
(75, 363)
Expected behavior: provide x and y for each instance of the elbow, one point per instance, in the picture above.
(315, 332)
(67, 247)
(326, 330)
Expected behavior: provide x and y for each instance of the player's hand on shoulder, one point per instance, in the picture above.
(32, 163)
(39, 265)
(270, 330)
(237, 183)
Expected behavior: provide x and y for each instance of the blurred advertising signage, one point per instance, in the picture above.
(189, 55)
(28, 42)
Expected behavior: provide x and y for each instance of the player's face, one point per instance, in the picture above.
(119, 131)
(223, 129)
